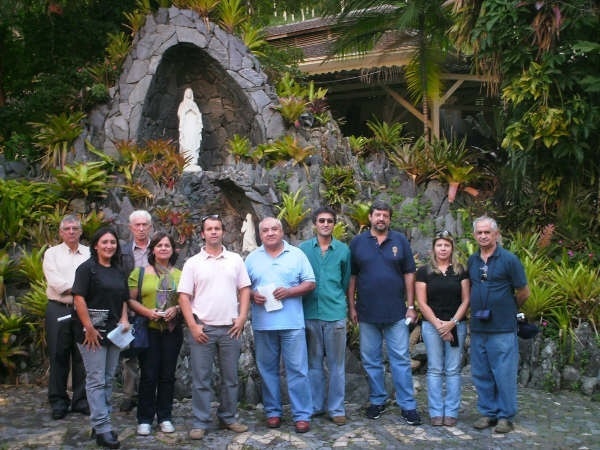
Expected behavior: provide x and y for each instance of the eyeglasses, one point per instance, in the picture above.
(445, 234)
(484, 272)
(70, 228)
(324, 220)
(211, 216)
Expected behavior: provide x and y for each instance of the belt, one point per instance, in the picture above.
(66, 305)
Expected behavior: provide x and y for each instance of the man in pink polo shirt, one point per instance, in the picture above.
(214, 296)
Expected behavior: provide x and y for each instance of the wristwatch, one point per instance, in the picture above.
(455, 321)
(411, 306)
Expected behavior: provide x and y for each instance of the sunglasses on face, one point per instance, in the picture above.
(325, 220)
(210, 216)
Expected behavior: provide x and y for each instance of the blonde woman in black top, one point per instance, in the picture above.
(442, 290)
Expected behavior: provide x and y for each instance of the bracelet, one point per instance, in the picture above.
(411, 306)
(456, 322)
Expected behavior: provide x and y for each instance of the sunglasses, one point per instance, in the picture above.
(211, 216)
(324, 220)
(445, 234)
(484, 272)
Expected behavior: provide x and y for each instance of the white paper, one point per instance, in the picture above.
(120, 338)
(271, 304)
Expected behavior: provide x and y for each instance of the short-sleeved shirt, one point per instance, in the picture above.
(213, 282)
(288, 269)
(332, 272)
(505, 274)
(150, 287)
(103, 289)
(444, 291)
(379, 271)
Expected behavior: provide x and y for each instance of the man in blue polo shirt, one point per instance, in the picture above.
(325, 311)
(498, 288)
(383, 286)
(281, 274)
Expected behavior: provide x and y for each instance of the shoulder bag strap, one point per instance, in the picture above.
(140, 280)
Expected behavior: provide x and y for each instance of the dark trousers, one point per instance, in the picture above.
(157, 375)
(64, 357)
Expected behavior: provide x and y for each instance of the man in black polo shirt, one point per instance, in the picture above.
(383, 285)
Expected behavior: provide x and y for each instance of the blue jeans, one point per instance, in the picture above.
(494, 366)
(290, 345)
(327, 341)
(371, 352)
(100, 367)
(202, 356)
(157, 375)
(443, 364)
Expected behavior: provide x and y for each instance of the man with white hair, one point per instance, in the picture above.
(134, 254)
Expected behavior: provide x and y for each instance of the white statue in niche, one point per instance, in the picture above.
(248, 234)
(190, 131)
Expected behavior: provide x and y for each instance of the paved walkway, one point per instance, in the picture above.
(546, 421)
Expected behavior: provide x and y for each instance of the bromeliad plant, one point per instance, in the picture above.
(83, 180)
(339, 187)
(55, 138)
(292, 210)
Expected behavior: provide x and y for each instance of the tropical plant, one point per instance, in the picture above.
(580, 289)
(138, 192)
(30, 264)
(55, 138)
(7, 270)
(291, 108)
(253, 38)
(204, 8)
(135, 21)
(288, 147)
(358, 144)
(411, 159)
(239, 147)
(34, 302)
(91, 222)
(287, 86)
(362, 23)
(317, 103)
(23, 204)
(386, 136)
(340, 231)
(359, 212)
(339, 185)
(12, 329)
(231, 14)
(82, 180)
(544, 297)
(117, 49)
(292, 210)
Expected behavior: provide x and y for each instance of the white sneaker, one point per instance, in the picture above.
(166, 426)
(144, 429)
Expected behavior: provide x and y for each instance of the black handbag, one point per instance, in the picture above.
(140, 323)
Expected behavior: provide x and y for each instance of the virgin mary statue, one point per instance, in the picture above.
(190, 131)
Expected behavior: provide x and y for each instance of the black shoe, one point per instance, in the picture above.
(375, 411)
(93, 434)
(107, 439)
(82, 409)
(59, 413)
(411, 416)
(127, 404)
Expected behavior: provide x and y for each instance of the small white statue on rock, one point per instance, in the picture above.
(248, 234)
(190, 131)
